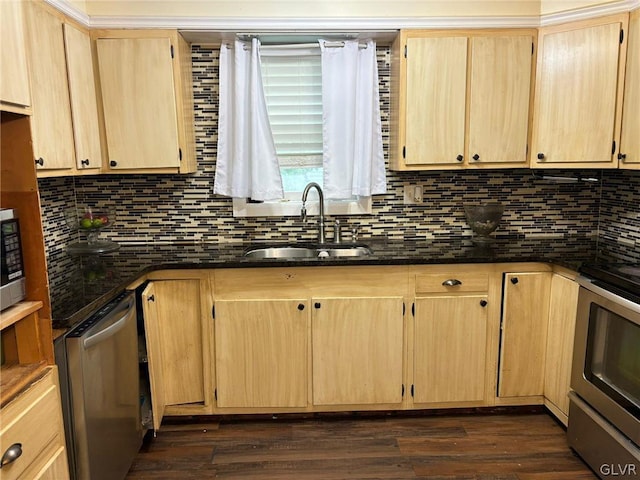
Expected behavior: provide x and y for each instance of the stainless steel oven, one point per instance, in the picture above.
(604, 412)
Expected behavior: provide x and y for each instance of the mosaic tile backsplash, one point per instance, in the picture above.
(171, 208)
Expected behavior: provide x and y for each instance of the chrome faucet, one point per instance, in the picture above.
(303, 211)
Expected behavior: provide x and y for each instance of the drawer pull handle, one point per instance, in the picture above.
(11, 455)
(452, 282)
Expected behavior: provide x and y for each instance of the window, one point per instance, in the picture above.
(293, 91)
(291, 77)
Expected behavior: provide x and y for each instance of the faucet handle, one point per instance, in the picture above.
(337, 231)
(303, 213)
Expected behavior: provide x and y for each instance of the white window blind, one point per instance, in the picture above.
(292, 81)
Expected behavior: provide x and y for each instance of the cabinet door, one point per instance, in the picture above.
(630, 141)
(56, 467)
(357, 350)
(138, 96)
(173, 330)
(524, 331)
(577, 99)
(450, 349)
(261, 352)
(562, 322)
(436, 99)
(51, 120)
(14, 73)
(499, 99)
(84, 105)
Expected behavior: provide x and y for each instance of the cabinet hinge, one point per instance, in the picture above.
(413, 309)
(613, 147)
(213, 312)
(171, 51)
(412, 390)
(405, 51)
(621, 36)
(180, 154)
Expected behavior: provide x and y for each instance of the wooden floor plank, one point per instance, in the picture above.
(420, 447)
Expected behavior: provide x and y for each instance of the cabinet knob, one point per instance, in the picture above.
(11, 454)
(317, 305)
(622, 156)
(452, 282)
(40, 161)
(514, 280)
(459, 158)
(483, 303)
(84, 162)
(152, 298)
(113, 163)
(476, 157)
(541, 156)
(301, 306)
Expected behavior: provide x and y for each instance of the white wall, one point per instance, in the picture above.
(330, 8)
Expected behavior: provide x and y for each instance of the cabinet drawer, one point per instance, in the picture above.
(33, 419)
(452, 283)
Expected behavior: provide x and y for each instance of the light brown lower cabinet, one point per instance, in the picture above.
(310, 339)
(261, 353)
(450, 341)
(177, 342)
(524, 334)
(562, 323)
(357, 345)
(32, 423)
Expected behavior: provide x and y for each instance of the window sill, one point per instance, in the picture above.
(291, 208)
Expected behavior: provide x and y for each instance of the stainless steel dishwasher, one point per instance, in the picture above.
(99, 382)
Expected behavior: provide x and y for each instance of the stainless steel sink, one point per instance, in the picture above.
(308, 251)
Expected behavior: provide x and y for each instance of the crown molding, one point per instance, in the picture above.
(620, 6)
(70, 11)
(203, 25)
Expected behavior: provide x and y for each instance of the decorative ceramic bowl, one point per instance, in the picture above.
(483, 220)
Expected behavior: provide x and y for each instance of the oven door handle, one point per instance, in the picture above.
(107, 332)
(603, 292)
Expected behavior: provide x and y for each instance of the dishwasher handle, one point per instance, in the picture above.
(107, 332)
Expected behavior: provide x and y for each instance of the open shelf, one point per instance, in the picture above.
(17, 312)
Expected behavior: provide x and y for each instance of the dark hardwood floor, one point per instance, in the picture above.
(512, 446)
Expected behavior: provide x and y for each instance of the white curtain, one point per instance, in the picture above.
(247, 164)
(353, 158)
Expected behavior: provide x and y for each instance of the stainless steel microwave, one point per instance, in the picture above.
(12, 289)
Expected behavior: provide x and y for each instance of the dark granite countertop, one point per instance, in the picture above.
(80, 285)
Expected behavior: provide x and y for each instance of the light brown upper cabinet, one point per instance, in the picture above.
(82, 94)
(578, 94)
(51, 126)
(629, 155)
(145, 83)
(460, 101)
(14, 73)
